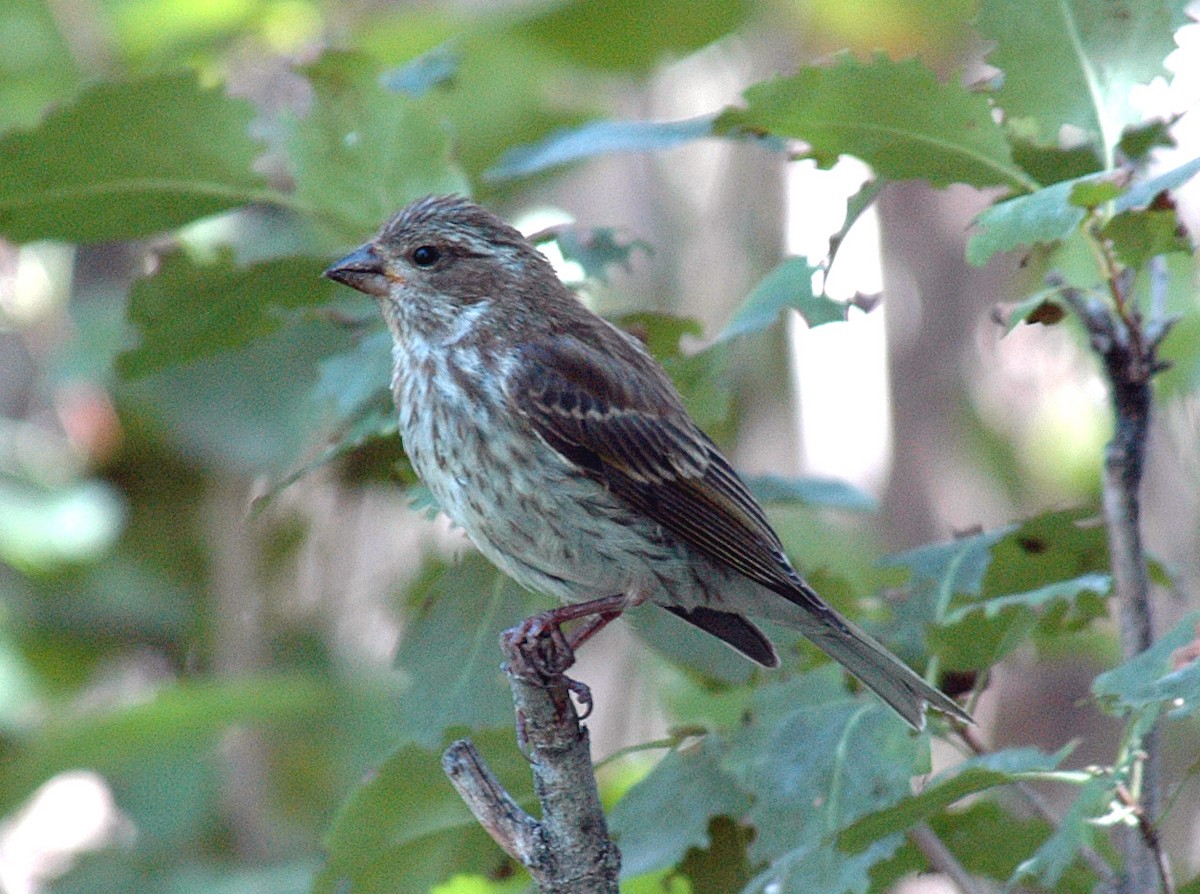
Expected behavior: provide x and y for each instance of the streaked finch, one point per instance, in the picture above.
(563, 450)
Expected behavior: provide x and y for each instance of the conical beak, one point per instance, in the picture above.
(362, 269)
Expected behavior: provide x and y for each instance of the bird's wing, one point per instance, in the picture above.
(615, 416)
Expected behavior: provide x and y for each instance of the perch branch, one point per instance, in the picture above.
(568, 850)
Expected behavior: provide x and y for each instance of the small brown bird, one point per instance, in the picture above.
(563, 450)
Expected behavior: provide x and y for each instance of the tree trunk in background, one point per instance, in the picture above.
(935, 303)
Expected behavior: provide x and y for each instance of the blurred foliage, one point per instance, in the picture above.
(175, 174)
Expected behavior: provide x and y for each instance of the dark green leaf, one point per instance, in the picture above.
(971, 776)
(810, 492)
(189, 311)
(1166, 674)
(598, 138)
(363, 152)
(787, 287)
(1137, 142)
(359, 376)
(690, 787)
(250, 408)
(625, 35)
(1138, 236)
(126, 160)
(972, 835)
(895, 116)
(1051, 164)
(405, 829)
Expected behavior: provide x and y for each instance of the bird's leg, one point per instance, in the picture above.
(554, 652)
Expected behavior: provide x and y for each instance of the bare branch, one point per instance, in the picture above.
(569, 849)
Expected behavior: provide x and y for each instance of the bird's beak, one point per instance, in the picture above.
(362, 269)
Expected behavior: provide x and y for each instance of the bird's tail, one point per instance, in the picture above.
(882, 672)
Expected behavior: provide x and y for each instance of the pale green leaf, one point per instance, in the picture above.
(787, 287)
(1044, 216)
(129, 159)
(1161, 675)
(896, 116)
(597, 138)
(1075, 61)
(810, 492)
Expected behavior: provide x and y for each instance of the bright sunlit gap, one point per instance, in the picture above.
(840, 369)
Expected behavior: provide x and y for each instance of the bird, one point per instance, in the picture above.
(564, 451)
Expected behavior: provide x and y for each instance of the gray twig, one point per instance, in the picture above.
(568, 850)
(1129, 354)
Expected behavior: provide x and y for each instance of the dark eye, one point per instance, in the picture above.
(425, 255)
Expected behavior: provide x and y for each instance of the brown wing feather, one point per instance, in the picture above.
(619, 419)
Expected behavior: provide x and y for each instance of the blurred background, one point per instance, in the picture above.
(148, 615)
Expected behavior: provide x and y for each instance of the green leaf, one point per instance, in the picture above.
(972, 834)
(970, 777)
(1138, 236)
(405, 829)
(1044, 216)
(430, 70)
(690, 786)
(127, 160)
(1074, 832)
(568, 145)
(37, 67)
(1158, 676)
(1034, 599)
(810, 492)
(787, 287)
(1137, 142)
(1075, 61)
(624, 35)
(1094, 192)
(895, 116)
(189, 311)
(450, 649)
(363, 152)
(816, 759)
(249, 408)
(1143, 193)
(598, 249)
(182, 715)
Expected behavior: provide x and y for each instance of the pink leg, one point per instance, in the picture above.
(561, 652)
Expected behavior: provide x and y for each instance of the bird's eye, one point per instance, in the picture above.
(425, 255)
